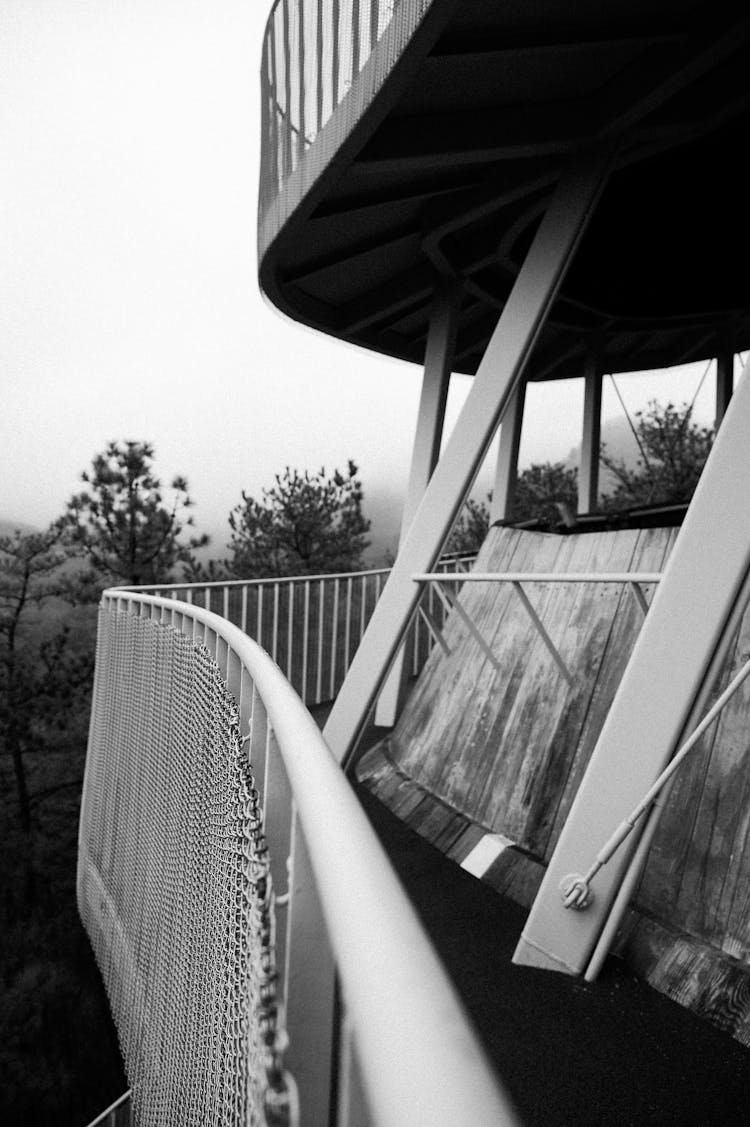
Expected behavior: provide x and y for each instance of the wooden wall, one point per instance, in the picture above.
(478, 749)
(507, 747)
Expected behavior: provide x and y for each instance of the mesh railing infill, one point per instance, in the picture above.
(174, 884)
(322, 64)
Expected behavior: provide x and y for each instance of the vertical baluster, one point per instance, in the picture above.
(347, 625)
(209, 641)
(301, 92)
(334, 637)
(356, 32)
(305, 639)
(233, 674)
(243, 610)
(259, 631)
(278, 814)
(274, 101)
(275, 634)
(290, 588)
(319, 673)
(335, 55)
(226, 602)
(374, 20)
(246, 708)
(207, 598)
(288, 165)
(319, 64)
(258, 739)
(363, 608)
(189, 596)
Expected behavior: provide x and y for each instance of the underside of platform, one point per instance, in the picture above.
(449, 166)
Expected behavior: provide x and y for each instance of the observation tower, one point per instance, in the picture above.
(517, 192)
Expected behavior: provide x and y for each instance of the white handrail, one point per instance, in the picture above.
(268, 580)
(538, 577)
(419, 1058)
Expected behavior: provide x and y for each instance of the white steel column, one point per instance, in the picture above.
(506, 472)
(588, 469)
(724, 382)
(501, 368)
(425, 452)
(648, 715)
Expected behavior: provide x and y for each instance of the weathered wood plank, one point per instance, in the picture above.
(691, 973)
(714, 861)
(478, 749)
(585, 614)
(430, 725)
(617, 623)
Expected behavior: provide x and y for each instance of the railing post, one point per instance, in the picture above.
(501, 368)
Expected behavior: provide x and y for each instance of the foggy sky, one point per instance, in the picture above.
(129, 306)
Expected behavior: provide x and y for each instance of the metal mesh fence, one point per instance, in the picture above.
(319, 57)
(174, 885)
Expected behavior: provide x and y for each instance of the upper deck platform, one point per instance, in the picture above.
(409, 141)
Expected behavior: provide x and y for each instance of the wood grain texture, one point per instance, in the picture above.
(478, 749)
(690, 972)
(506, 747)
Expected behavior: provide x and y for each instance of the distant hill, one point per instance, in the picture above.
(8, 527)
(619, 443)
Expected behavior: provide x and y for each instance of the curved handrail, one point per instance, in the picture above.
(323, 63)
(419, 1058)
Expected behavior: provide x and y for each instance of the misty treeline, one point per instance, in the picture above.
(125, 527)
(672, 451)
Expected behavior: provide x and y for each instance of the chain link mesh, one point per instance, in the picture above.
(174, 884)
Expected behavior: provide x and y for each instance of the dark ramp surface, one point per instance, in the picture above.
(614, 1052)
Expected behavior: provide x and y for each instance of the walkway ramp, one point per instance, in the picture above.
(484, 748)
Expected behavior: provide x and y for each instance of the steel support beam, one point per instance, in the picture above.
(724, 382)
(425, 453)
(588, 470)
(502, 366)
(506, 471)
(685, 624)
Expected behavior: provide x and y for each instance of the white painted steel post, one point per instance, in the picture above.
(506, 471)
(588, 468)
(425, 452)
(684, 626)
(535, 288)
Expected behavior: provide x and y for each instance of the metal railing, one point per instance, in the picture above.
(312, 51)
(375, 1032)
(322, 63)
(311, 625)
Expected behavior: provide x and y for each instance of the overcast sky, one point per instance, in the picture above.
(129, 307)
